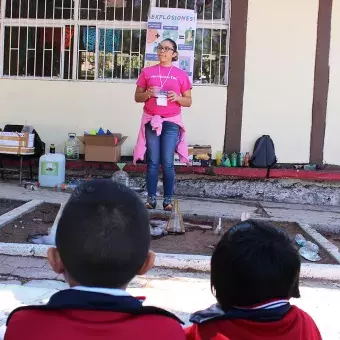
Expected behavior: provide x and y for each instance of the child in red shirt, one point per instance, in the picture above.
(254, 272)
(102, 242)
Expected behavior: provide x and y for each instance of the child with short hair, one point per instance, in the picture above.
(102, 242)
(255, 271)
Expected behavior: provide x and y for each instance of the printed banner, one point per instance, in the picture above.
(178, 25)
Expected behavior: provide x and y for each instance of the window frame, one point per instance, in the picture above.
(76, 22)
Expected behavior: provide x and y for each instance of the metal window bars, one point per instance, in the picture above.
(102, 40)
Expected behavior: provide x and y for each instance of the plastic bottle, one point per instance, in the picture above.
(308, 250)
(52, 148)
(121, 176)
(240, 159)
(226, 162)
(300, 240)
(309, 254)
(72, 147)
(234, 159)
(218, 158)
(247, 159)
(311, 246)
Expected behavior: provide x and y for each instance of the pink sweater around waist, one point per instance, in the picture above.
(157, 124)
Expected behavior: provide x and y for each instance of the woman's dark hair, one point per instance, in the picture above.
(254, 262)
(174, 46)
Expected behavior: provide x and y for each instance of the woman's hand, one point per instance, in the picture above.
(173, 96)
(152, 91)
(141, 95)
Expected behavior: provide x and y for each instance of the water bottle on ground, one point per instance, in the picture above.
(308, 250)
(309, 254)
(300, 240)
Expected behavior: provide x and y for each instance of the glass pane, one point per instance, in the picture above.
(30, 63)
(206, 9)
(106, 65)
(138, 41)
(31, 38)
(127, 10)
(35, 50)
(14, 63)
(40, 9)
(86, 65)
(210, 57)
(136, 63)
(224, 68)
(14, 36)
(86, 55)
(22, 51)
(68, 54)
(126, 41)
(121, 53)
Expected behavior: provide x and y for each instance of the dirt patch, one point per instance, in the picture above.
(8, 205)
(200, 241)
(36, 222)
(199, 238)
(333, 238)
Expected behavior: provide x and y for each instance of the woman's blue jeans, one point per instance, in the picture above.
(160, 150)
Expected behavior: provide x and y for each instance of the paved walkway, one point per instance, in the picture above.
(325, 217)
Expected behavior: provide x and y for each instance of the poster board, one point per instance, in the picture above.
(178, 25)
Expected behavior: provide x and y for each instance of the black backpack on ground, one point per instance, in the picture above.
(264, 154)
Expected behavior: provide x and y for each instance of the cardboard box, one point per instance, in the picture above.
(103, 148)
(16, 150)
(199, 155)
(17, 139)
(202, 155)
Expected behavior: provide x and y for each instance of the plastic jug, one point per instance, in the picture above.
(72, 147)
(52, 170)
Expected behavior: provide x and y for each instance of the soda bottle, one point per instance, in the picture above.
(247, 159)
(240, 159)
(234, 160)
(52, 148)
(218, 158)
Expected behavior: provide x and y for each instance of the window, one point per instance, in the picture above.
(212, 38)
(102, 40)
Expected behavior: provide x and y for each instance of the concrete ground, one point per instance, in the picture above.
(30, 280)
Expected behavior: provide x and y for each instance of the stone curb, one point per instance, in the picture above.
(329, 247)
(18, 212)
(179, 261)
(50, 238)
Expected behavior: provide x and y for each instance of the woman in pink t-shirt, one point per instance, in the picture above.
(164, 89)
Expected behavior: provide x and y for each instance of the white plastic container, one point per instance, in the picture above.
(52, 170)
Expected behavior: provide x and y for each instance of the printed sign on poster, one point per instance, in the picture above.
(178, 25)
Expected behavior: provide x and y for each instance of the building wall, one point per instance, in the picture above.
(332, 135)
(279, 76)
(56, 108)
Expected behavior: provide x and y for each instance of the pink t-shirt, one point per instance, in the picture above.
(173, 79)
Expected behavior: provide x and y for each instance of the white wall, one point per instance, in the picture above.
(332, 135)
(56, 108)
(279, 76)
